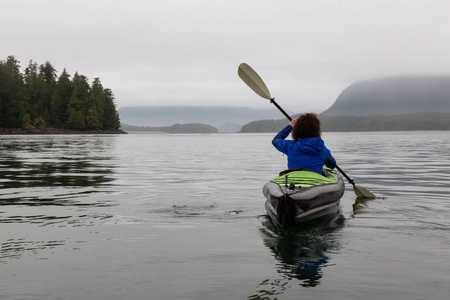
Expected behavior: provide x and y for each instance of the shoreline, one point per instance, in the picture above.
(13, 131)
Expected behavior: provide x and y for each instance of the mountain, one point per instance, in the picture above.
(175, 128)
(393, 96)
(396, 103)
(216, 116)
(405, 122)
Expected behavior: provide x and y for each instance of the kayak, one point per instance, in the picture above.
(298, 196)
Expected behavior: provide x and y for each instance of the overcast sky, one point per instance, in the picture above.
(164, 52)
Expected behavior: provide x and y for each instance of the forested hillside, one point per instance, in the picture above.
(417, 121)
(175, 128)
(39, 98)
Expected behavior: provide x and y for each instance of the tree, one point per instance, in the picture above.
(76, 119)
(48, 72)
(111, 117)
(11, 93)
(48, 75)
(81, 88)
(59, 104)
(34, 103)
(26, 120)
(39, 122)
(92, 119)
(97, 105)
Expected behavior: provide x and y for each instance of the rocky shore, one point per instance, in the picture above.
(32, 130)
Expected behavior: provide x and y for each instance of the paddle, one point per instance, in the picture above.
(252, 79)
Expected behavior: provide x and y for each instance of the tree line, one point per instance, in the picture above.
(39, 98)
(406, 122)
(175, 128)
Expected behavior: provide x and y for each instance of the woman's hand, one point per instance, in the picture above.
(292, 123)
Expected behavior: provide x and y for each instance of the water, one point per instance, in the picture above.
(182, 217)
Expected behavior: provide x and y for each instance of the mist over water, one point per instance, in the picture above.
(150, 216)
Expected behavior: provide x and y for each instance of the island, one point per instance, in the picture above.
(37, 101)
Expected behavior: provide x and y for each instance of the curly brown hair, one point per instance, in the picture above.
(307, 125)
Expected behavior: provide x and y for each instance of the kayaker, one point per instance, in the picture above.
(307, 149)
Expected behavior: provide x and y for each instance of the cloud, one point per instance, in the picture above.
(187, 52)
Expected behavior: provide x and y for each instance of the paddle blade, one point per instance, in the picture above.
(362, 192)
(252, 79)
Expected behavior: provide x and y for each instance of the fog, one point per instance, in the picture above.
(165, 52)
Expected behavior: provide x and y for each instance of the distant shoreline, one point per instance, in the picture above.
(34, 131)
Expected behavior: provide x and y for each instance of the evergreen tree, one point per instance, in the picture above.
(11, 93)
(111, 117)
(76, 119)
(79, 102)
(34, 103)
(59, 104)
(95, 117)
(48, 75)
(48, 72)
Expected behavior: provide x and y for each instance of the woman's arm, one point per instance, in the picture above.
(279, 138)
(283, 133)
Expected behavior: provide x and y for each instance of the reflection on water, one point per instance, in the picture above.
(47, 181)
(302, 252)
(78, 173)
(32, 169)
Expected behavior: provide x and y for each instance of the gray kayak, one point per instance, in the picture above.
(298, 196)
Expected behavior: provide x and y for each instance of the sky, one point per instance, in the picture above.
(186, 52)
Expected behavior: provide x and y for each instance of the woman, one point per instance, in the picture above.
(307, 149)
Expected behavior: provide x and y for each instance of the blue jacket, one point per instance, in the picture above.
(308, 153)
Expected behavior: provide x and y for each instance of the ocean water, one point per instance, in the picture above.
(148, 216)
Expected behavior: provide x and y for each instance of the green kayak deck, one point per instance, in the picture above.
(305, 178)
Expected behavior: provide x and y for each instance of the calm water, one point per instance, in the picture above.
(182, 217)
